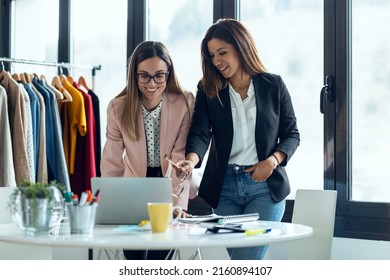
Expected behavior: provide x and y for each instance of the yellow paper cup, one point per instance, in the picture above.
(160, 215)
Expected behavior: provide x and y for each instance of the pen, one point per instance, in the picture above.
(171, 162)
(257, 231)
(68, 197)
(89, 197)
(143, 223)
(75, 199)
(96, 197)
(83, 198)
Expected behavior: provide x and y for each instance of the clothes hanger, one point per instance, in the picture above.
(70, 79)
(62, 77)
(2, 72)
(16, 77)
(83, 83)
(57, 93)
(28, 77)
(67, 96)
(57, 84)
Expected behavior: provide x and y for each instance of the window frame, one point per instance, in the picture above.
(5, 31)
(354, 219)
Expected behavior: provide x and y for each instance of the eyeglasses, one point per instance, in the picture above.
(159, 78)
(180, 188)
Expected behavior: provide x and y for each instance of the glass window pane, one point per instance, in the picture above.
(180, 26)
(35, 34)
(370, 100)
(289, 37)
(100, 38)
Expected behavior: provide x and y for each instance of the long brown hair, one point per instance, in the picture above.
(143, 51)
(235, 33)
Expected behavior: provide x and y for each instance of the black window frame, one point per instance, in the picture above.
(354, 219)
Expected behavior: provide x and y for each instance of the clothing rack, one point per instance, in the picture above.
(59, 65)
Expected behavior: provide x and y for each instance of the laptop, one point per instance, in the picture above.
(123, 200)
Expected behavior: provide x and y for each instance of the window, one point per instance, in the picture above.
(181, 25)
(370, 101)
(34, 34)
(355, 122)
(99, 38)
(292, 48)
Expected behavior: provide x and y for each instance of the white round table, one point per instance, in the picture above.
(182, 236)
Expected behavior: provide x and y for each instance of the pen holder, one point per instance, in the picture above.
(82, 218)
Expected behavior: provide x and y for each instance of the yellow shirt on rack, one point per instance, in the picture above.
(75, 122)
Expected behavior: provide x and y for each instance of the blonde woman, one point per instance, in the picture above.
(149, 121)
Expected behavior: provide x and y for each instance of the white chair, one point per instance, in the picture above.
(9, 251)
(317, 209)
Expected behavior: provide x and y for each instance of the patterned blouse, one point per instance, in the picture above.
(152, 132)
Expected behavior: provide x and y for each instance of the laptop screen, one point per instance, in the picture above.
(123, 200)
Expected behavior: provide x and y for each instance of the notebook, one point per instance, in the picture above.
(123, 200)
(221, 219)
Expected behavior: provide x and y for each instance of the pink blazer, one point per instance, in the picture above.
(123, 157)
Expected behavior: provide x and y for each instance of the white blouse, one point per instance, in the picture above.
(244, 121)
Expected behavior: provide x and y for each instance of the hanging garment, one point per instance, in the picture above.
(42, 174)
(17, 115)
(61, 173)
(98, 149)
(85, 167)
(74, 122)
(35, 121)
(82, 84)
(57, 93)
(29, 133)
(49, 131)
(56, 83)
(7, 171)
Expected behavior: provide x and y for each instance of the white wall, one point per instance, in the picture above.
(359, 249)
(343, 249)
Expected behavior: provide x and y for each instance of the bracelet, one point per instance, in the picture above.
(277, 160)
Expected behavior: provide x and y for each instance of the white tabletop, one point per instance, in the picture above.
(182, 236)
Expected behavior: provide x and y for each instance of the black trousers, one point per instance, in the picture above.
(148, 254)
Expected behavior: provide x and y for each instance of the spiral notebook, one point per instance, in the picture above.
(213, 218)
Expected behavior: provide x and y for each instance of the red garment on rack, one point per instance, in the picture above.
(85, 163)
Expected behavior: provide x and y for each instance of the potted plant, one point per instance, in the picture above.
(38, 207)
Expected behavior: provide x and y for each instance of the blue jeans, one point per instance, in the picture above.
(242, 195)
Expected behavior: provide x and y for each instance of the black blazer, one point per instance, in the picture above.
(276, 129)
